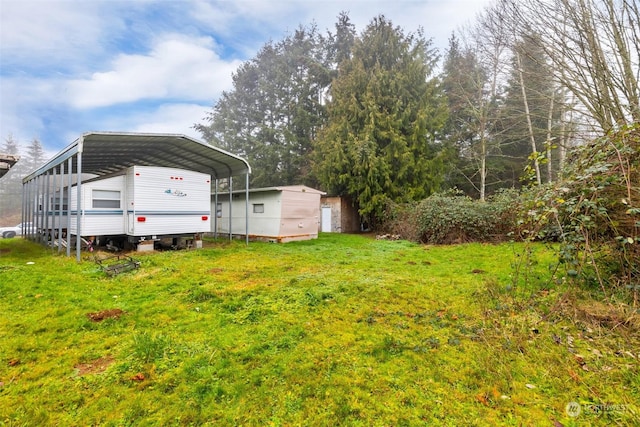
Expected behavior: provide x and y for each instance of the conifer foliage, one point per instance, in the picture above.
(385, 115)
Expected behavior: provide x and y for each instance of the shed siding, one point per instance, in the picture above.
(344, 215)
(266, 223)
(290, 213)
(300, 214)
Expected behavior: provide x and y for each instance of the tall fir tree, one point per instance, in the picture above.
(10, 146)
(11, 184)
(35, 155)
(275, 109)
(386, 114)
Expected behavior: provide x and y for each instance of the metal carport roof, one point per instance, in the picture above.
(108, 152)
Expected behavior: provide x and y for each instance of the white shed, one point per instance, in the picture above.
(278, 214)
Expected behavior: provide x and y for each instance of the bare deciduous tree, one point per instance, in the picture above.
(594, 46)
(489, 44)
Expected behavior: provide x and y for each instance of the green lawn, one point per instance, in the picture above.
(343, 330)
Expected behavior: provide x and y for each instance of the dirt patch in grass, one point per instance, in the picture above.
(138, 377)
(596, 314)
(95, 367)
(99, 316)
(607, 315)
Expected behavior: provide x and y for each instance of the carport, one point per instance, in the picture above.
(96, 154)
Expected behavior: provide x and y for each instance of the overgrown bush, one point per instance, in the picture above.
(451, 217)
(401, 219)
(594, 211)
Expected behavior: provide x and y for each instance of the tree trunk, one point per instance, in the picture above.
(532, 138)
(549, 144)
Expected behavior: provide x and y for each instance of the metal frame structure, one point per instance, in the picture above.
(97, 154)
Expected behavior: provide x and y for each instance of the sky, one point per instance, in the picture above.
(72, 66)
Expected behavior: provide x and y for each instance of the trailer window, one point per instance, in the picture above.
(55, 201)
(258, 208)
(106, 199)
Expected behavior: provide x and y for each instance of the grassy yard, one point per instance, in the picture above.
(344, 330)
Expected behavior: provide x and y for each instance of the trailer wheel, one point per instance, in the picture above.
(9, 234)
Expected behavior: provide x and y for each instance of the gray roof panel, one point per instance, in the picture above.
(108, 152)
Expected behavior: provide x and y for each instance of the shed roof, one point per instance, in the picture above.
(104, 153)
(280, 188)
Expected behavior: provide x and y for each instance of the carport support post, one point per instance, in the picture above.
(230, 204)
(215, 217)
(47, 199)
(246, 209)
(25, 189)
(79, 202)
(39, 181)
(30, 207)
(70, 180)
(60, 207)
(54, 186)
(34, 209)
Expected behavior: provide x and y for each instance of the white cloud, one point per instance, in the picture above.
(71, 66)
(171, 118)
(51, 31)
(23, 98)
(178, 67)
(227, 16)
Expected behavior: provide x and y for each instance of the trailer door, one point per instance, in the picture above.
(129, 222)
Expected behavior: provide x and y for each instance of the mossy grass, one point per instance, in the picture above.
(342, 330)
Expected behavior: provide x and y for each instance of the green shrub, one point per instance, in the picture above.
(594, 211)
(450, 217)
(401, 219)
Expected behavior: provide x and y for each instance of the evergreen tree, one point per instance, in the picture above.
(10, 146)
(11, 184)
(385, 116)
(35, 156)
(275, 109)
(342, 42)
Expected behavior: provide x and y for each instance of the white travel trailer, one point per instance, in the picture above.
(144, 203)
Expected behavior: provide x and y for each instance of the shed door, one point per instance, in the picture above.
(326, 219)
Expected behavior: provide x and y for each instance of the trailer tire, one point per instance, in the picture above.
(9, 234)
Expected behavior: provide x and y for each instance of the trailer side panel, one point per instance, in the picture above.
(102, 208)
(162, 201)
